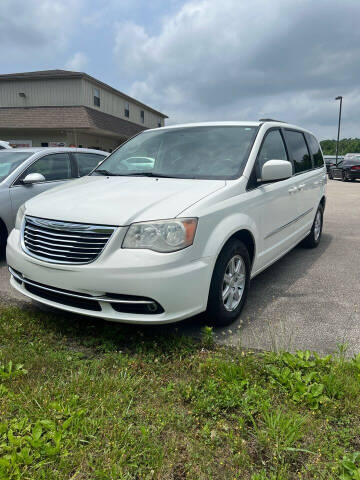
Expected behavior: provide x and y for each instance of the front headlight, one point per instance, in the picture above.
(162, 236)
(20, 216)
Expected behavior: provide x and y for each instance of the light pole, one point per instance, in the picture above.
(338, 136)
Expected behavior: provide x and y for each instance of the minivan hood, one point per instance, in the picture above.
(120, 200)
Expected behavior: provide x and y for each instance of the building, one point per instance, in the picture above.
(60, 107)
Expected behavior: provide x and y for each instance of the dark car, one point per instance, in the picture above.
(346, 170)
(330, 161)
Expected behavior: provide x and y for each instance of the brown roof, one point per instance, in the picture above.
(40, 74)
(60, 74)
(65, 118)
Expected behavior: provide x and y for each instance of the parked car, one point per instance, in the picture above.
(222, 202)
(26, 172)
(346, 170)
(4, 145)
(330, 161)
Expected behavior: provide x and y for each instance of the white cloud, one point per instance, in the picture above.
(246, 59)
(77, 62)
(36, 24)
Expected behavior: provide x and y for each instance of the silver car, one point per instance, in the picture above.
(26, 172)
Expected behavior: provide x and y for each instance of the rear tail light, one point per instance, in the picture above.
(355, 167)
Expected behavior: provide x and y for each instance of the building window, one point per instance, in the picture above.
(159, 122)
(142, 116)
(127, 110)
(97, 97)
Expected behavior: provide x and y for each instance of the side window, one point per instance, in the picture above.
(87, 162)
(97, 97)
(315, 150)
(298, 151)
(273, 148)
(127, 110)
(53, 167)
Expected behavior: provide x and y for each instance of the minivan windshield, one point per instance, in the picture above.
(209, 152)
(9, 161)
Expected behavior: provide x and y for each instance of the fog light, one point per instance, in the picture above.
(152, 307)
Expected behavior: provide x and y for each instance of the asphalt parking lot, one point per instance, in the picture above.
(307, 300)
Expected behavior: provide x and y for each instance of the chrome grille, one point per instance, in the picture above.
(64, 242)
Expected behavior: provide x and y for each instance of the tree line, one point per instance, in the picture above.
(346, 145)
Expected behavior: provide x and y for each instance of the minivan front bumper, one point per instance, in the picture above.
(130, 286)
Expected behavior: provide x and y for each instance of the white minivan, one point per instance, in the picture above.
(174, 223)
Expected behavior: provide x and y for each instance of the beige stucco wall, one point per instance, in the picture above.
(115, 105)
(66, 92)
(41, 93)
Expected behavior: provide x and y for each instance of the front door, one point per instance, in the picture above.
(56, 168)
(273, 204)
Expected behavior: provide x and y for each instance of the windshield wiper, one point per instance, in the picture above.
(105, 172)
(148, 174)
(133, 174)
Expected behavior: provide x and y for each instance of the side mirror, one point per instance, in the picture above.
(273, 170)
(33, 178)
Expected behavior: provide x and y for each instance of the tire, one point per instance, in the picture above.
(348, 178)
(3, 238)
(314, 237)
(344, 177)
(331, 176)
(233, 259)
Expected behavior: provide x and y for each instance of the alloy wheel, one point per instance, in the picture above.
(317, 225)
(233, 283)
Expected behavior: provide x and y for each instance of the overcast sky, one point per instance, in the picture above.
(202, 59)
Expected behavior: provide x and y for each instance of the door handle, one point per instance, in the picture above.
(302, 186)
(318, 183)
(293, 190)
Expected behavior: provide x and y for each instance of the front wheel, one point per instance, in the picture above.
(348, 177)
(3, 238)
(344, 177)
(314, 237)
(331, 176)
(229, 284)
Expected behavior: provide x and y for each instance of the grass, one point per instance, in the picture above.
(82, 399)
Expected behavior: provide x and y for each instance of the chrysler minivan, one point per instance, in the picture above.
(213, 206)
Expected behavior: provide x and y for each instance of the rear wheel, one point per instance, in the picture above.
(331, 176)
(344, 177)
(229, 284)
(314, 237)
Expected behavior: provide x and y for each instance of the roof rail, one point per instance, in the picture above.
(270, 120)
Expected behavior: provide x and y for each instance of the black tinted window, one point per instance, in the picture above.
(273, 148)
(87, 162)
(315, 150)
(298, 151)
(53, 167)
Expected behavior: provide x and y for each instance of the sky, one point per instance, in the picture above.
(201, 60)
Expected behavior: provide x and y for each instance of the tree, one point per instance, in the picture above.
(346, 145)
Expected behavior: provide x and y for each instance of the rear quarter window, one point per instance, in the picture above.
(315, 151)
